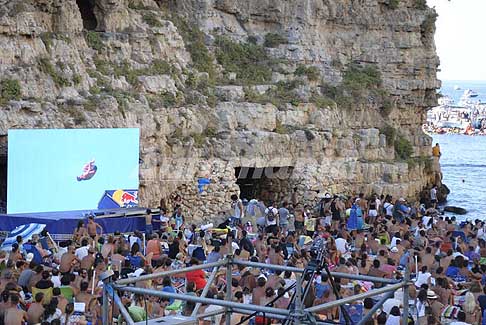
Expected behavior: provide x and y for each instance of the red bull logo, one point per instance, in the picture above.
(125, 199)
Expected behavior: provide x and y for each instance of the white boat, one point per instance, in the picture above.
(446, 101)
(470, 93)
(456, 87)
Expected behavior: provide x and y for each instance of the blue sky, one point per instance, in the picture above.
(459, 39)
(43, 165)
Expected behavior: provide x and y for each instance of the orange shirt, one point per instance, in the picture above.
(153, 246)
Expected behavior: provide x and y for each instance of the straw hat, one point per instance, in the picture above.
(431, 295)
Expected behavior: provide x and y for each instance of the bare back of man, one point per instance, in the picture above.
(14, 316)
(34, 313)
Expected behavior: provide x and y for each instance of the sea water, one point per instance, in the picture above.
(463, 164)
(477, 86)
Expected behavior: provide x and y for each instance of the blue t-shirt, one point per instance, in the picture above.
(482, 302)
(321, 289)
(452, 271)
(135, 261)
(169, 289)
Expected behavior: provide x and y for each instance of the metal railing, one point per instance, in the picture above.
(298, 313)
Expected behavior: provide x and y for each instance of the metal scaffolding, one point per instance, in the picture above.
(297, 314)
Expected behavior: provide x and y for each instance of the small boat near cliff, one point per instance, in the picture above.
(455, 210)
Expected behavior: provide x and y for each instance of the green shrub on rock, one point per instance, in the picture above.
(358, 78)
(249, 61)
(193, 38)
(94, 40)
(312, 73)
(403, 148)
(151, 19)
(274, 40)
(420, 4)
(393, 4)
(10, 90)
(48, 68)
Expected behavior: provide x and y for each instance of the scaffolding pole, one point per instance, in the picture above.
(360, 296)
(205, 290)
(375, 307)
(268, 266)
(229, 280)
(207, 301)
(123, 310)
(297, 270)
(406, 296)
(168, 273)
(104, 311)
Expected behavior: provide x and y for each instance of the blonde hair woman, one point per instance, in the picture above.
(471, 308)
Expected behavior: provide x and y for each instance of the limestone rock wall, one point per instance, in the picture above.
(137, 69)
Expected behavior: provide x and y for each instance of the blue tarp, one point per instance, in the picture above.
(64, 222)
(26, 231)
(201, 183)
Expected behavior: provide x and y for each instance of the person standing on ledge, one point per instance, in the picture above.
(436, 151)
(433, 196)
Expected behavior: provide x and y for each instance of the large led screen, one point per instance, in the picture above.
(72, 169)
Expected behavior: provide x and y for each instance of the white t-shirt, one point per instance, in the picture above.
(56, 280)
(60, 252)
(423, 278)
(389, 208)
(426, 220)
(393, 320)
(389, 304)
(236, 208)
(394, 241)
(81, 252)
(433, 194)
(274, 211)
(341, 244)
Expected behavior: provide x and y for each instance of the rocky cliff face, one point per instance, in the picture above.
(331, 94)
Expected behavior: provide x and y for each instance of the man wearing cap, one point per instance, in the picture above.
(400, 210)
(259, 291)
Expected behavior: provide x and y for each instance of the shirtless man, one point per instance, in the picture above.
(261, 248)
(92, 227)
(428, 259)
(363, 204)
(14, 315)
(68, 259)
(88, 261)
(36, 310)
(83, 295)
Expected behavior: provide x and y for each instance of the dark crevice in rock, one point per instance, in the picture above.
(86, 7)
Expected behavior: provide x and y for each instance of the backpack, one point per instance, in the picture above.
(270, 214)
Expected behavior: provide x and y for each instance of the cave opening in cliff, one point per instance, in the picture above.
(266, 183)
(86, 7)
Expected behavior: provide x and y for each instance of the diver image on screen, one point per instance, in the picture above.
(89, 170)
